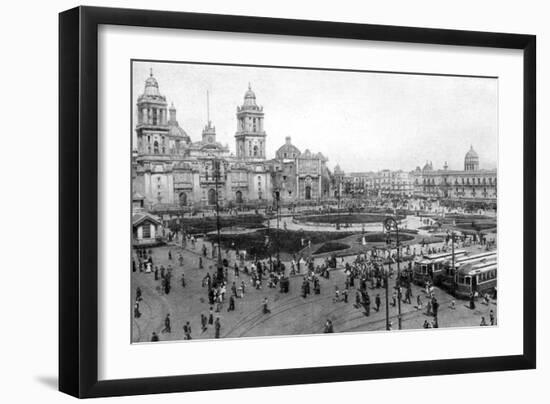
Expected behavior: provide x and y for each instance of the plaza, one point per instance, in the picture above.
(252, 243)
(290, 313)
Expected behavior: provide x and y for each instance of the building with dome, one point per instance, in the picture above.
(171, 171)
(471, 160)
(301, 176)
(471, 184)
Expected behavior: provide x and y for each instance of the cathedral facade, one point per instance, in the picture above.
(170, 170)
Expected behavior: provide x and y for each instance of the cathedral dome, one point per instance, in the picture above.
(249, 98)
(288, 150)
(249, 93)
(177, 131)
(428, 166)
(151, 86)
(471, 160)
(472, 154)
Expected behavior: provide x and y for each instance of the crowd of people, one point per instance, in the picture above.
(366, 278)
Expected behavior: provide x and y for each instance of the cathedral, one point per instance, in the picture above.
(170, 170)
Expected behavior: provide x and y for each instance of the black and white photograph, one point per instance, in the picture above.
(275, 201)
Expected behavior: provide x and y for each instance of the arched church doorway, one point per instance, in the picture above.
(211, 197)
(308, 192)
(183, 199)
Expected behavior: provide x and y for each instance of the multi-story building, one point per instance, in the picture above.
(470, 184)
(379, 183)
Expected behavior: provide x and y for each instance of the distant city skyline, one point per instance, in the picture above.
(361, 121)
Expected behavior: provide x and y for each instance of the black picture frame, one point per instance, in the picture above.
(78, 196)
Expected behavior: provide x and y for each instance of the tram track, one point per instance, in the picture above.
(277, 311)
(255, 314)
(404, 316)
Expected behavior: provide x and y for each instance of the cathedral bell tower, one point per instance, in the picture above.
(152, 121)
(250, 135)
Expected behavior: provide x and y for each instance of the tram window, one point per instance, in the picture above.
(460, 279)
(467, 280)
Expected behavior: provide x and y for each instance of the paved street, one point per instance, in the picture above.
(290, 312)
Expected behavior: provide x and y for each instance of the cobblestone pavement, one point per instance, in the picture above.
(290, 313)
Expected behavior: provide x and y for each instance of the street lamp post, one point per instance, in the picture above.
(338, 191)
(455, 272)
(216, 165)
(182, 231)
(277, 197)
(387, 272)
(390, 223)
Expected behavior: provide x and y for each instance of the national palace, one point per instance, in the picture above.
(171, 170)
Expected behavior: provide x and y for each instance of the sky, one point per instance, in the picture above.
(363, 121)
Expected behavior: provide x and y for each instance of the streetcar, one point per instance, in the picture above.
(470, 259)
(448, 275)
(432, 267)
(476, 278)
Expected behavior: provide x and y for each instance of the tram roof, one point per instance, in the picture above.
(476, 258)
(477, 268)
(443, 255)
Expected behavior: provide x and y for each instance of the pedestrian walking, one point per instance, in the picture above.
(217, 327)
(187, 330)
(472, 301)
(137, 313)
(492, 317)
(435, 307)
(328, 327)
(408, 294)
(231, 304)
(211, 316)
(265, 308)
(204, 321)
(167, 326)
(336, 297)
(377, 301)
